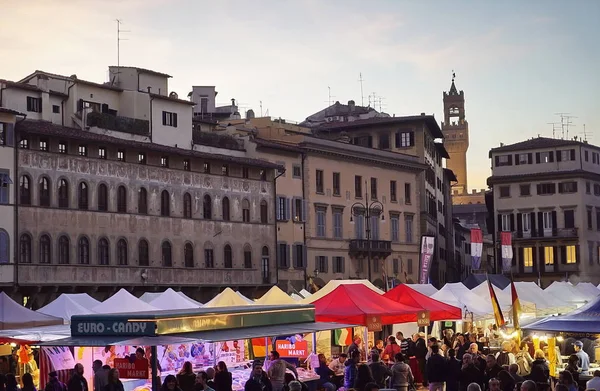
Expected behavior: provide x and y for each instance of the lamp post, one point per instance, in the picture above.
(367, 209)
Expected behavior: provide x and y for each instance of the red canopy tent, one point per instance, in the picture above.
(405, 295)
(354, 304)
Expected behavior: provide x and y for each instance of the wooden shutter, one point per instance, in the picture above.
(9, 133)
(555, 255)
(540, 224)
(534, 258)
(295, 262)
(554, 223)
(29, 104)
(517, 159)
(294, 208)
(572, 152)
(512, 222)
(577, 253)
(287, 209)
(304, 256)
(539, 189)
(551, 156)
(164, 117)
(558, 156)
(510, 162)
(497, 161)
(530, 158)
(519, 224)
(537, 158)
(174, 119)
(39, 100)
(563, 254)
(412, 139)
(532, 223)
(343, 268)
(560, 187)
(499, 223)
(521, 255)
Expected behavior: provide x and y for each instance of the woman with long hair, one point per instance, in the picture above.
(11, 382)
(186, 378)
(27, 380)
(363, 377)
(223, 378)
(170, 384)
(114, 383)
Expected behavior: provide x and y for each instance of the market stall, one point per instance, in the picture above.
(275, 296)
(122, 302)
(426, 289)
(545, 303)
(227, 298)
(64, 307)
(436, 310)
(170, 299)
(15, 316)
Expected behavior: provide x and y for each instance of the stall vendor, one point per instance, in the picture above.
(584, 359)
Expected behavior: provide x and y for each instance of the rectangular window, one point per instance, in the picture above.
(526, 222)
(528, 257)
(121, 155)
(322, 264)
(164, 161)
(102, 152)
(546, 188)
(357, 186)
(567, 187)
(395, 266)
(506, 223)
(525, 190)
(407, 194)
(569, 216)
(404, 139)
(591, 252)
(549, 255)
(567, 155)
(523, 158)
(296, 171)
(245, 172)
(141, 158)
(34, 104)
(5, 181)
(24, 143)
(169, 119)
(504, 191)
(373, 188)
(206, 167)
(209, 258)
(586, 156)
(225, 170)
(384, 141)
(283, 209)
(596, 189)
(283, 256)
(571, 255)
(503, 160)
(359, 226)
(408, 223)
(336, 183)
(545, 157)
(186, 165)
(56, 109)
(409, 266)
(393, 193)
(298, 207)
(590, 219)
(320, 213)
(338, 265)
(62, 147)
(82, 150)
(319, 181)
(338, 224)
(44, 145)
(547, 220)
(3, 133)
(395, 228)
(588, 188)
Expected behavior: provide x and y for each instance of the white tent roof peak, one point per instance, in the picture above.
(122, 302)
(171, 300)
(64, 307)
(14, 316)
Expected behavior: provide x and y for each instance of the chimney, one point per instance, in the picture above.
(423, 114)
(149, 89)
(351, 105)
(250, 114)
(42, 83)
(233, 101)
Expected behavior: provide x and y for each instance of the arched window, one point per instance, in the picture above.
(25, 190)
(225, 205)
(227, 257)
(246, 211)
(4, 247)
(209, 256)
(167, 261)
(102, 197)
(44, 189)
(25, 248)
(207, 207)
(103, 254)
(63, 193)
(264, 212)
(188, 255)
(83, 251)
(82, 196)
(264, 264)
(142, 201)
(64, 255)
(122, 252)
(45, 249)
(247, 256)
(165, 203)
(122, 199)
(187, 206)
(143, 256)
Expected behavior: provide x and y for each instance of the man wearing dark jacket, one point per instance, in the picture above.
(492, 369)
(351, 369)
(469, 373)
(259, 381)
(379, 370)
(78, 382)
(436, 369)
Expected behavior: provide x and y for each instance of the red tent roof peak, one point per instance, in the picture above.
(403, 294)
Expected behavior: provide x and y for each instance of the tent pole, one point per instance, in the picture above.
(154, 362)
(314, 342)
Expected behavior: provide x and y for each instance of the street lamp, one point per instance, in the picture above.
(366, 209)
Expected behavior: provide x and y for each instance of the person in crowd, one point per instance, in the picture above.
(492, 369)
(493, 384)
(573, 368)
(560, 387)
(461, 346)
(351, 369)
(402, 375)
(100, 375)
(363, 377)
(186, 378)
(170, 384)
(378, 348)
(529, 385)
(523, 360)
(453, 371)
(540, 372)
(448, 339)
(436, 369)
(113, 382)
(27, 380)
(473, 340)
(202, 381)
(294, 385)
(565, 378)
(11, 382)
(289, 378)
(391, 349)
(54, 384)
(505, 357)
(379, 370)
(372, 387)
(584, 359)
(469, 373)
(430, 342)
(337, 365)
(594, 382)
(355, 345)
(420, 354)
(277, 371)
(507, 383)
(223, 378)
(210, 372)
(258, 381)
(513, 370)
(473, 387)
(4, 365)
(78, 382)
(478, 358)
(406, 345)
(325, 374)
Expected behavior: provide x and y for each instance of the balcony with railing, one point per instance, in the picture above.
(378, 248)
(551, 233)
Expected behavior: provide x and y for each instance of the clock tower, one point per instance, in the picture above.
(456, 135)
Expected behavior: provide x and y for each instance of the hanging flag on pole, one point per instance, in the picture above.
(507, 252)
(516, 309)
(498, 317)
(476, 248)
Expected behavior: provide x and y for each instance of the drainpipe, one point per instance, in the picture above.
(276, 228)
(16, 194)
(150, 116)
(304, 203)
(62, 103)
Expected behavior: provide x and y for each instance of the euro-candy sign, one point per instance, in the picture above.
(112, 328)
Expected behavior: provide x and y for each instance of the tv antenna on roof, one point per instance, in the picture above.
(362, 96)
(119, 39)
(585, 133)
(554, 128)
(330, 96)
(565, 122)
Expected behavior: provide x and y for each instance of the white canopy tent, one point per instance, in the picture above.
(14, 316)
(505, 298)
(65, 307)
(249, 301)
(460, 296)
(83, 299)
(38, 334)
(567, 292)
(332, 284)
(545, 304)
(171, 300)
(149, 296)
(122, 302)
(426, 289)
(588, 290)
(190, 299)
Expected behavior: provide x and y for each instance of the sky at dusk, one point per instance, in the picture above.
(518, 62)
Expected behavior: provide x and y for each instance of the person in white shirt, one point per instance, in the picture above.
(594, 382)
(337, 365)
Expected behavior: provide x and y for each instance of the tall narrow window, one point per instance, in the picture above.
(143, 255)
(393, 193)
(45, 249)
(264, 212)
(102, 197)
(25, 248)
(207, 207)
(64, 253)
(186, 165)
(122, 252)
(187, 206)
(225, 169)
(357, 186)
(25, 190)
(225, 206)
(44, 189)
(245, 211)
(167, 261)
(264, 264)
(336, 184)
(103, 255)
(319, 181)
(165, 203)
(4, 247)
(247, 257)
(83, 251)
(209, 258)
(122, 199)
(407, 194)
(188, 255)
(227, 257)
(142, 201)
(82, 196)
(373, 188)
(63, 194)
(5, 181)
